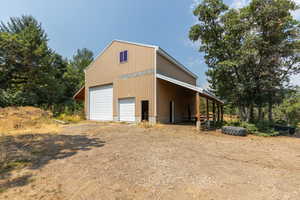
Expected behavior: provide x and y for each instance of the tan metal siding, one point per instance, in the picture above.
(139, 87)
(167, 68)
(182, 97)
(106, 69)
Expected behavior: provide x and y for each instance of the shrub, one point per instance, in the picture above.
(232, 123)
(251, 128)
(3, 153)
(281, 122)
(70, 107)
(70, 118)
(145, 124)
(261, 128)
(267, 134)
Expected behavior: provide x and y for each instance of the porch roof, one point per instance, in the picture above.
(201, 91)
(79, 96)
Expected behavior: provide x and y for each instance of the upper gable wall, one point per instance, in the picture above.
(107, 68)
(167, 68)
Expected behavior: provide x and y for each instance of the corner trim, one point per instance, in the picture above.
(155, 82)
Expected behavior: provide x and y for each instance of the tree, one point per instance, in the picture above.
(277, 42)
(250, 51)
(29, 70)
(74, 75)
(289, 109)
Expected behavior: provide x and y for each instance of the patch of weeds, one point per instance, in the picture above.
(121, 122)
(18, 164)
(17, 182)
(145, 125)
(267, 134)
(232, 123)
(70, 118)
(37, 152)
(251, 128)
(2, 190)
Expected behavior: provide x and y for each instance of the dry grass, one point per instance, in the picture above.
(231, 117)
(170, 162)
(23, 120)
(71, 118)
(29, 138)
(145, 124)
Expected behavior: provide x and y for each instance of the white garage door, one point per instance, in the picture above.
(127, 110)
(101, 103)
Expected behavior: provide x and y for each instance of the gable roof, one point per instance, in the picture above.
(157, 48)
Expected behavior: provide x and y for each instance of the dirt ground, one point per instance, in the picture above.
(117, 161)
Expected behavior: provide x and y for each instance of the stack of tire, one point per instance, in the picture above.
(232, 130)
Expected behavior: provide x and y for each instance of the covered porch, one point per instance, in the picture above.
(194, 105)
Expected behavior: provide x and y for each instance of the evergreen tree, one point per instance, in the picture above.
(29, 69)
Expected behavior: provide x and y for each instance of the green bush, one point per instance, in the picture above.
(251, 128)
(264, 126)
(261, 128)
(281, 122)
(232, 123)
(70, 107)
(70, 111)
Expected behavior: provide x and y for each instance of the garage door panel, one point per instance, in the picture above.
(127, 110)
(101, 103)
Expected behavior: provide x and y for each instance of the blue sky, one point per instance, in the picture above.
(73, 24)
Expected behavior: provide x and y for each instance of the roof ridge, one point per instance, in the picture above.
(137, 43)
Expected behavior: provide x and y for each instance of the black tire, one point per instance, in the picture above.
(236, 131)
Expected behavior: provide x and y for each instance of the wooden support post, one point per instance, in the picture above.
(222, 113)
(214, 112)
(218, 108)
(207, 113)
(207, 109)
(198, 114)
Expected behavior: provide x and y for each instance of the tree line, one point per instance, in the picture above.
(33, 74)
(251, 53)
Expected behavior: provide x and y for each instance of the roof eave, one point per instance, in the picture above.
(80, 90)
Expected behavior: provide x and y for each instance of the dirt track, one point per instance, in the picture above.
(168, 162)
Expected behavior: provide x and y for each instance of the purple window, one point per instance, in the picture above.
(123, 56)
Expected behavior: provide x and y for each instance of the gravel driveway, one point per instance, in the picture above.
(167, 162)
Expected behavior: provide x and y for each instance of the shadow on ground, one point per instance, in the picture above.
(36, 150)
